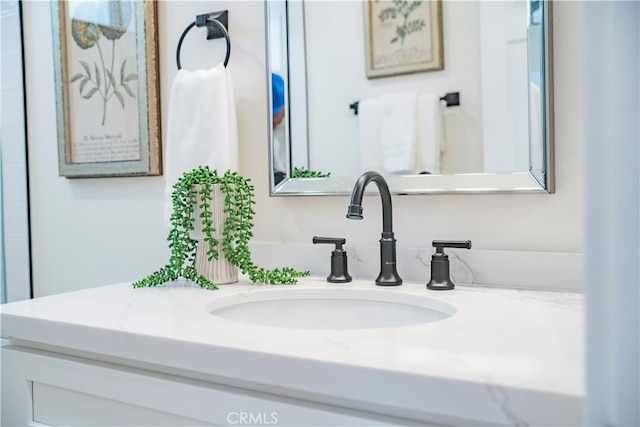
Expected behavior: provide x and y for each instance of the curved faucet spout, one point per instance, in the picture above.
(388, 275)
(355, 208)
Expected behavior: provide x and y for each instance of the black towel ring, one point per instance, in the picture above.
(201, 21)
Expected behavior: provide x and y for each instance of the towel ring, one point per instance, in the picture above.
(201, 21)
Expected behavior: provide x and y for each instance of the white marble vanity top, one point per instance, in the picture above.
(507, 357)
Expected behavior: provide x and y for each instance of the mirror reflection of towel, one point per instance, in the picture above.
(202, 126)
(369, 118)
(280, 149)
(429, 134)
(398, 132)
(401, 133)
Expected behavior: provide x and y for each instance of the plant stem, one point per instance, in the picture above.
(113, 55)
(104, 96)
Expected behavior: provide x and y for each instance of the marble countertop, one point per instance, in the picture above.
(507, 357)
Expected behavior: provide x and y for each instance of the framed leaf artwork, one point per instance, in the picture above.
(107, 94)
(403, 37)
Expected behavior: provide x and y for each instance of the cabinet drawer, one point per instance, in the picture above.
(52, 389)
(55, 406)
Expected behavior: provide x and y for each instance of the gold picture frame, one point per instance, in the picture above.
(107, 88)
(403, 37)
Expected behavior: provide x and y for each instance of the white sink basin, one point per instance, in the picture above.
(330, 308)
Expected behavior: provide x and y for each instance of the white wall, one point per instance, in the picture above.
(93, 232)
(611, 58)
(336, 78)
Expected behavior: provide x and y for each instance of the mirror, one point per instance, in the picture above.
(439, 97)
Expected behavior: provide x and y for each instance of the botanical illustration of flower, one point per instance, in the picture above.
(118, 15)
(84, 33)
(403, 8)
(110, 19)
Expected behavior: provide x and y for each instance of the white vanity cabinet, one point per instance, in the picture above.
(45, 388)
(120, 356)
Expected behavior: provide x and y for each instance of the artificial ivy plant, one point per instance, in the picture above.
(196, 187)
(307, 173)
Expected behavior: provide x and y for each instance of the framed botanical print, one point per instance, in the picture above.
(403, 37)
(107, 88)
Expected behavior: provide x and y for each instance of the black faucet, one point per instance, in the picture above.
(388, 274)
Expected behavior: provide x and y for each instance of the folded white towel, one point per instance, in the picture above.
(398, 132)
(401, 133)
(202, 126)
(429, 134)
(370, 113)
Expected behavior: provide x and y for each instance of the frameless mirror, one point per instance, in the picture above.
(438, 96)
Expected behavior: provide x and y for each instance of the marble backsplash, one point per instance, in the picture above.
(510, 269)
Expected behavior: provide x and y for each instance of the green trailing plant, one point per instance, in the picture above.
(305, 173)
(196, 187)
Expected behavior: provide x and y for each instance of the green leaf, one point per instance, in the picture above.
(388, 13)
(83, 83)
(86, 68)
(97, 76)
(130, 77)
(111, 79)
(76, 77)
(122, 75)
(90, 93)
(394, 40)
(120, 98)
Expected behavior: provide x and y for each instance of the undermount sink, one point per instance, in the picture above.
(330, 308)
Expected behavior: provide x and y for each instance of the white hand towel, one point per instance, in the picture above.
(398, 132)
(429, 134)
(202, 128)
(369, 117)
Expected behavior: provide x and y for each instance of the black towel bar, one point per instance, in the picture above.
(452, 99)
(217, 24)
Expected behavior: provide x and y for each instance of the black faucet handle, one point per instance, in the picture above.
(339, 269)
(441, 244)
(331, 241)
(440, 278)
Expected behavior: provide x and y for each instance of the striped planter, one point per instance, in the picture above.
(219, 271)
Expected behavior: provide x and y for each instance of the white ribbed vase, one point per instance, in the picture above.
(219, 271)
